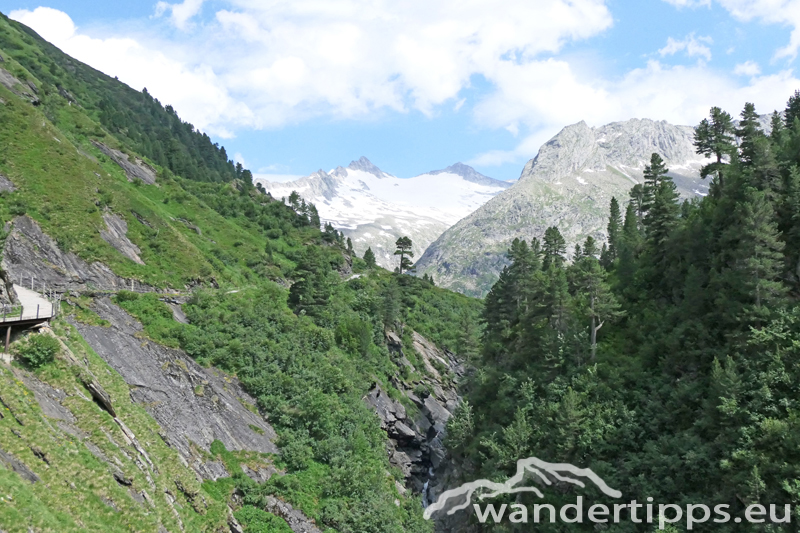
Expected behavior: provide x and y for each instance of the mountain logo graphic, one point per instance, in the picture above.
(563, 472)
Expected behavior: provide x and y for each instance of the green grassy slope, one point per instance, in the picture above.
(77, 491)
(308, 354)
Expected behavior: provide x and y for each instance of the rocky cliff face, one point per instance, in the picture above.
(568, 184)
(193, 405)
(415, 434)
(32, 256)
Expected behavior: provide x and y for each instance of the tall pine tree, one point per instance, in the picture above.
(714, 139)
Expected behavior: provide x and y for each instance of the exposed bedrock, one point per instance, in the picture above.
(193, 405)
(415, 441)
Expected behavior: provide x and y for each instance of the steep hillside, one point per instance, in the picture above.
(135, 117)
(374, 208)
(569, 184)
(216, 348)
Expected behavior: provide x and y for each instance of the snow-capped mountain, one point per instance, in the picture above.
(375, 208)
(569, 184)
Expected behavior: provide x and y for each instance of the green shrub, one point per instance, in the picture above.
(257, 521)
(39, 350)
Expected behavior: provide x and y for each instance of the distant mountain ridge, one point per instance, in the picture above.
(374, 208)
(568, 184)
(471, 175)
(365, 165)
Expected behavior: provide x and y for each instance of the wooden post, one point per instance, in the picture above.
(8, 338)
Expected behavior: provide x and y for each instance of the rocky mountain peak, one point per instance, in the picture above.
(471, 175)
(366, 165)
(568, 184)
(625, 146)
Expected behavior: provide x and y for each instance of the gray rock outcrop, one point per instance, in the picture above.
(30, 253)
(471, 175)
(415, 441)
(136, 169)
(193, 405)
(15, 465)
(17, 87)
(298, 522)
(6, 185)
(116, 234)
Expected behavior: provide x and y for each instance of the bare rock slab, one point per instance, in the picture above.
(193, 405)
(29, 252)
(116, 234)
(136, 169)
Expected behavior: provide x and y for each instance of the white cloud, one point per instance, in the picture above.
(748, 68)
(691, 45)
(689, 3)
(266, 64)
(783, 12)
(678, 94)
(195, 90)
(180, 13)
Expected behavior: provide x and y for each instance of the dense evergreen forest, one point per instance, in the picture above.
(668, 359)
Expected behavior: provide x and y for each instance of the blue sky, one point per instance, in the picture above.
(292, 87)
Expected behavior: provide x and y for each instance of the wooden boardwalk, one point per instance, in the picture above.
(33, 308)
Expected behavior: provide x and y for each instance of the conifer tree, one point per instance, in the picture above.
(403, 245)
(589, 247)
(749, 133)
(629, 245)
(792, 111)
(578, 253)
(605, 257)
(761, 254)
(294, 200)
(777, 128)
(660, 222)
(499, 313)
(313, 216)
(523, 262)
(789, 222)
(614, 229)
(653, 174)
(598, 301)
(637, 197)
(369, 258)
(312, 286)
(714, 139)
(554, 248)
(765, 170)
(663, 213)
(751, 277)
